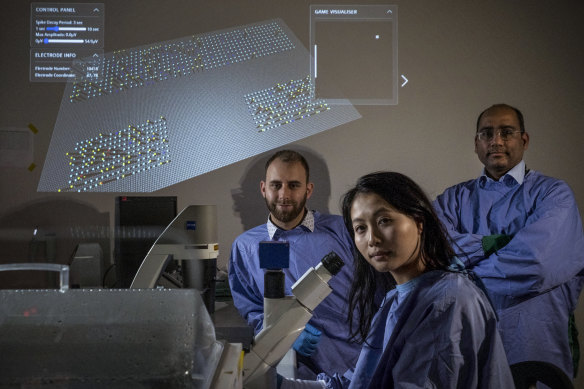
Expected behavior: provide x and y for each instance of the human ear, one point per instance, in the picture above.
(420, 226)
(525, 138)
(476, 145)
(309, 189)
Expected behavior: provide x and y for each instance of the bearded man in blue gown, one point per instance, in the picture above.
(324, 345)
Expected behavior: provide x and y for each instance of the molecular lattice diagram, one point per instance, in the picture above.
(284, 103)
(117, 155)
(126, 69)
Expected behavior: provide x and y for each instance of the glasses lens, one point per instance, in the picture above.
(485, 135)
(488, 134)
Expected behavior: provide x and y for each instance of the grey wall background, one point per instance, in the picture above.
(459, 56)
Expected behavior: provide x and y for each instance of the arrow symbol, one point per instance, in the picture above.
(405, 80)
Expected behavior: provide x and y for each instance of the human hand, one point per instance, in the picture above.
(492, 243)
(307, 341)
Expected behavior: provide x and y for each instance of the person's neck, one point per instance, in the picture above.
(497, 174)
(287, 226)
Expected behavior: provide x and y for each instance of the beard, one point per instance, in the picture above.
(286, 216)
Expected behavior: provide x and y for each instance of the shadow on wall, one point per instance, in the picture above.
(60, 225)
(249, 203)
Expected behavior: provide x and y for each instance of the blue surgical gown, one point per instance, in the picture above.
(335, 353)
(535, 280)
(437, 330)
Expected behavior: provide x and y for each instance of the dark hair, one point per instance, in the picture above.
(407, 197)
(498, 106)
(289, 156)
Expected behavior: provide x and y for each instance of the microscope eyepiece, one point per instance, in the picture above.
(332, 262)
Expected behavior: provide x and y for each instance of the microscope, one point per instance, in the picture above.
(284, 316)
(191, 239)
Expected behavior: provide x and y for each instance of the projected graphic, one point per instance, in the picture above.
(284, 104)
(138, 67)
(354, 53)
(117, 155)
(61, 33)
(219, 97)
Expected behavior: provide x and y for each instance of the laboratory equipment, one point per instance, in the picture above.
(139, 221)
(114, 338)
(285, 316)
(190, 238)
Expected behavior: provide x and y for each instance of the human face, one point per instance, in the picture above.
(388, 239)
(286, 190)
(498, 155)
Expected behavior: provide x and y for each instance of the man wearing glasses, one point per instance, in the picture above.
(521, 233)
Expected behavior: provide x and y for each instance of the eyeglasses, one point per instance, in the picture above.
(488, 134)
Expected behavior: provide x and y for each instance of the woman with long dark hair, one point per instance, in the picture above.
(434, 328)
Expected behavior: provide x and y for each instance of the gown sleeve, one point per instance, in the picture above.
(543, 253)
(248, 300)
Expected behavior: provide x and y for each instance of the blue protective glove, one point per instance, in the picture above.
(307, 341)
